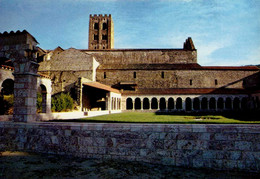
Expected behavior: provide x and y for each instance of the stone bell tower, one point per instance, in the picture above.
(101, 32)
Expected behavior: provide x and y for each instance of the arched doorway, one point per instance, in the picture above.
(146, 104)
(220, 103)
(7, 97)
(228, 103)
(179, 103)
(129, 104)
(204, 103)
(137, 103)
(42, 99)
(236, 103)
(154, 103)
(188, 104)
(212, 103)
(162, 104)
(170, 104)
(196, 104)
(244, 103)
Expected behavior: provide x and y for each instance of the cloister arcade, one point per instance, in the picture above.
(192, 103)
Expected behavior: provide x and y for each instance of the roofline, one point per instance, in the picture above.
(132, 49)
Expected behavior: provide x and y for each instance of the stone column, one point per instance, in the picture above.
(25, 86)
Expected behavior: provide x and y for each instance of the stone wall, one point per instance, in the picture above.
(176, 78)
(144, 56)
(221, 147)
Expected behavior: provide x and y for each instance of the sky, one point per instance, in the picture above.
(224, 32)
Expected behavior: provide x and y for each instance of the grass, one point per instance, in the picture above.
(139, 117)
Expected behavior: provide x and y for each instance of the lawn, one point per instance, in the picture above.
(139, 117)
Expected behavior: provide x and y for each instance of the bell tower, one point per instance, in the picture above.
(101, 32)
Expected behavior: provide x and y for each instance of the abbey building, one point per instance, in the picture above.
(102, 78)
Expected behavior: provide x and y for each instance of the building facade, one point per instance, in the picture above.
(146, 79)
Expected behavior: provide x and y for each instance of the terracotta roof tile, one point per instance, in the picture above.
(101, 86)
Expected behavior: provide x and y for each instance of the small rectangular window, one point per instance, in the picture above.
(134, 74)
(105, 75)
(104, 37)
(162, 74)
(190, 82)
(216, 82)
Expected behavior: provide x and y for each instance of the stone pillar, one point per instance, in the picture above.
(142, 105)
(25, 87)
(133, 105)
(150, 104)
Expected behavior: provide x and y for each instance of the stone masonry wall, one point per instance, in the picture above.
(176, 78)
(221, 147)
(144, 56)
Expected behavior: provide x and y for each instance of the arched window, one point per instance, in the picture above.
(7, 87)
(170, 103)
(236, 103)
(137, 103)
(196, 104)
(204, 103)
(228, 103)
(96, 26)
(146, 104)
(162, 104)
(179, 103)
(212, 104)
(129, 104)
(220, 103)
(104, 26)
(154, 103)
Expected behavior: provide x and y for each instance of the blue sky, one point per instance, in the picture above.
(225, 32)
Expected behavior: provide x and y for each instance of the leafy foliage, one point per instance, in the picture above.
(62, 102)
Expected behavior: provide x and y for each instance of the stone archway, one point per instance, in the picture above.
(129, 104)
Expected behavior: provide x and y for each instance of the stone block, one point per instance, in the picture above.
(209, 154)
(243, 145)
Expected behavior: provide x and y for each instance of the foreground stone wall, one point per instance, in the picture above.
(221, 147)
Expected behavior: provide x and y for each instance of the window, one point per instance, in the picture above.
(104, 37)
(216, 82)
(104, 26)
(96, 26)
(162, 74)
(105, 75)
(190, 82)
(134, 74)
(95, 37)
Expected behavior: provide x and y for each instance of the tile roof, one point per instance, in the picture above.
(102, 86)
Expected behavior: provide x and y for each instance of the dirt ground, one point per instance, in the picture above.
(29, 165)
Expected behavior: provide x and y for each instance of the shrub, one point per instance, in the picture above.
(62, 102)
(7, 103)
